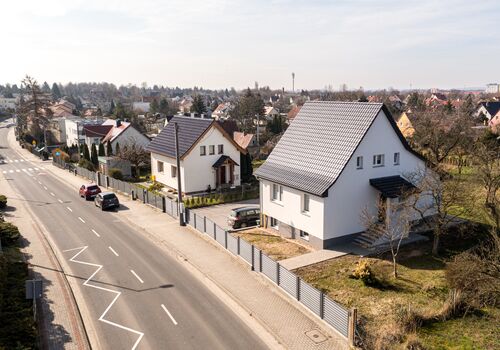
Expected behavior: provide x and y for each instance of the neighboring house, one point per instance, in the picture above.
(494, 123)
(292, 113)
(334, 161)
(123, 133)
(74, 129)
(493, 88)
(141, 106)
(8, 103)
(209, 157)
(95, 133)
(185, 105)
(57, 128)
(222, 111)
(107, 163)
(405, 125)
(270, 112)
(396, 102)
(245, 141)
(62, 108)
(487, 110)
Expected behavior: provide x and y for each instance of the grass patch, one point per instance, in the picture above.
(274, 246)
(256, 163)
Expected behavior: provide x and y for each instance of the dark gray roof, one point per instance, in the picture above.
(318, 144)
(221, 161)
(190, 130)
(391, 186)
(492, 107)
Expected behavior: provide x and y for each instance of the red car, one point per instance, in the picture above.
(89, 191)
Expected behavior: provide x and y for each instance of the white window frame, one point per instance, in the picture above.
(396, 158)
(211, 150)
(220, 149)
(276, 193)
(203, 150)
(359, 162)
(306, 203)
(378, 160)
(304, 235)
(160, 166)
(173, 171)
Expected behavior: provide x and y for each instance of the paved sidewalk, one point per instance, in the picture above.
(311, 258)
(58, 316)
(248, 293)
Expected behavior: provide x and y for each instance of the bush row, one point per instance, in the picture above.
(218, 198)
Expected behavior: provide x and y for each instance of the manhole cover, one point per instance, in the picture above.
(316, 336)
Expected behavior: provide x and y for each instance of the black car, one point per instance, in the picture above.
(244, 217)
(106, 200)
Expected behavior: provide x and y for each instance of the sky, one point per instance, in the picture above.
(221, 43)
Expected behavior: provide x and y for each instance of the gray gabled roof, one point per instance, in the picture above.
(190, 130)
(318, 144)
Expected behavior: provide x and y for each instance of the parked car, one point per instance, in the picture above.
(89, 191)
(106, 200)
(244, 217)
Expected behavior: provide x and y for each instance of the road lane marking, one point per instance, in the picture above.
(52, 194)
(45, 188)
(114, 252)
(39, 182)
(79, 218)
(117, 294)
(11, 171)
(98, 235)
(60, 201)
(169, 314)
(22, 160)
(18, 171)
(69, 209)
(36, 169)
(136, 276)
(17, 161)
(30, 169)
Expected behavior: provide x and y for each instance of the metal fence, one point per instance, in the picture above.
(315, 300)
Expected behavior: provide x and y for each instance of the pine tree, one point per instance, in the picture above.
(93, 155)
(101, 150)
(198, 105)
(154, 107)
(86, 153)
(45, 87)
(112, 107)
(163, 106)
(117, 148)
(56, 92)
(109, 149)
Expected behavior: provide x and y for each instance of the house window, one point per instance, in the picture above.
(277, 193)
(378, 160)
(396, 158)
(160, 167)
(304, 235)
(211, 149)
(305, 203)
(274, 223)
(359, 162)
(220, 149)
(173, 171)
(203, 150)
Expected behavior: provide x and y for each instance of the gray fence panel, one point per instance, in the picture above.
(210, 228)
(102, 179)
(246, 251)
(140, 194)
(221, 236)
(256, 259)
(159, 202)
(269, 267)
(288, 281)
(310, 297)
(169, 207)
(199, 224)
(176, 209)
(336, 316)
(232, 244)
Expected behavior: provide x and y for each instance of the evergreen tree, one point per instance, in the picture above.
(117, 148)
(81, 148)
(46, 87)
(101, 150)
(93, 155)
(56, 92)
(109, 149)
(112, 107)
(154, 107)
(198, 105)
(163, 106)
(468, 107)
(86, 153)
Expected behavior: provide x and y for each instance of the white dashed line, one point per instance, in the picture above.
(18, 171)
(5, 172)
(17, 161)
(114, 252)
(136, 276)
(45, 188)
(30, 169)
(11, 171)
(98, 235)
(39, 182)
(22, 160)
(60, 201)
(36, 169)
(69, 209)
(52, 194)
(79, 218)
(169, 314)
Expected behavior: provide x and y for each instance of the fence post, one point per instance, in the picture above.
(298, 287)
(321, 304)
(260, 260)
(353, 315)
(225, 239)
(215, 231)
(238, 244)
(107, 181)
(253, 258)
(278, 273)
(163, 205)
(194, 216)
(98, 178)
(204, 224)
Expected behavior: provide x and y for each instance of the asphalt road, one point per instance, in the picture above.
(137, 295)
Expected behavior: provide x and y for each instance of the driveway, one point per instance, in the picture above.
(219, 213)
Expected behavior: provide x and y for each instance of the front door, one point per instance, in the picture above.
(222, 171)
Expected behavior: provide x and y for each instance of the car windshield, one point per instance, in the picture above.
(109, 196)
(93, 187)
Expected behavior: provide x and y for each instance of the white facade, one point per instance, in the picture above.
(493, 88)
(74, 129)
(197, 172)
(141, 106)
(7, 103)
(339, 214)
(129, 137)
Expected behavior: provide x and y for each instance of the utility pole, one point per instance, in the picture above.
(179, 187)
(293, 82)
(258, 122)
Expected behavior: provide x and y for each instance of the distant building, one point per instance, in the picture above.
(405, 125)
(493, 88)
(141, 106)
(8, 103)
(74, 127)
(487, 110)
(123, 133)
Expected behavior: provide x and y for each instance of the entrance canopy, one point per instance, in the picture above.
(224, 160)
(391, 186)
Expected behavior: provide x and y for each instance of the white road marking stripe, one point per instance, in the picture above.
(36, 168)
(136, 276)
(86, 283)
(79, 218)
(69, 209)
(52, 194)
(24, 170)
(30, 169)
(22, 160)
(17, 161)
(60, 201)
(169, 314)
(39, 182)
(98, 235)
(45, 188)
(114, 252)
(5, 172)
(18, 171)
(11, 171)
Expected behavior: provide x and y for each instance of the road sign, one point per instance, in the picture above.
(34, 289)
(33, 142)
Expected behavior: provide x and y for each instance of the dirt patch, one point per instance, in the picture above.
(273, 245)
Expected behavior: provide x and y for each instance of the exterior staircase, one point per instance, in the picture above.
(366, 239)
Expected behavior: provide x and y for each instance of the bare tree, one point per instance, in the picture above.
(394, 227)
(135, 154)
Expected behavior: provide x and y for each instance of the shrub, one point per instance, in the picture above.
(75, 158)
(87, 164)
(115, 173)
(3, 202)
(155, 186)
(9, 233)
(364, 273)
(407, 318)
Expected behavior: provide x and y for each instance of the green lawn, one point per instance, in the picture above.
(256, 163)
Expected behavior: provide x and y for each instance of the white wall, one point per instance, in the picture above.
(165, 177)
(289, 210)
(72, 133)
(352, 192)
(128, 137)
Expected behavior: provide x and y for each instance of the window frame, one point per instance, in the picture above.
(359, 162)
(173, 173)
(276, 193)
(306, 203)
(396, 158)
(162, 167)
(211, 150)
(304, 235)
(203, 150)
(220, 149)
(376, 157)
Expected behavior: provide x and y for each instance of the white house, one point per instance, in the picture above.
(487, 109)
(73, 126)
(208, 155)
(334, 161)
(8, 103)
(123, 133)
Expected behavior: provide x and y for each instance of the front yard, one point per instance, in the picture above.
(273, 245)
(421, 286)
